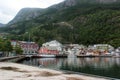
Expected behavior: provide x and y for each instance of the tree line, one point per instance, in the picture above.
(6, 48)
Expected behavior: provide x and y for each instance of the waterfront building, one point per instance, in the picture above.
(48, 50)
(78, 48)
(101, 49)
(117, 52)
(14, 43)
(52, 47)
(73, 48)
(27, 47)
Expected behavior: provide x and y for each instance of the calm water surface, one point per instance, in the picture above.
(109, 67)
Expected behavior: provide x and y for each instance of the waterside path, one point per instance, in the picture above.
(13, 71)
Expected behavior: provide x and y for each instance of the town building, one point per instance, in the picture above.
(27, 47)
(117, 52)
(52, 47)
(101, 49)
(14, 43)
(73, 48)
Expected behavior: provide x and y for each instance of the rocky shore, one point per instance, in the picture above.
(13, 71)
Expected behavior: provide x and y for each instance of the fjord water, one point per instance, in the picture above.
(109, 67)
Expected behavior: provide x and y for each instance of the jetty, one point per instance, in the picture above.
(15, 58)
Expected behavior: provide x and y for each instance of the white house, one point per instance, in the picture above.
(117, 51)
(53, 44)
(73, 48)
(102, 47)
(14, 43)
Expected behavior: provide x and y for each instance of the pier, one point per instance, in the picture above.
(11, 58)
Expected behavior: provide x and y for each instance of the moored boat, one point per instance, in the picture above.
(46, 55)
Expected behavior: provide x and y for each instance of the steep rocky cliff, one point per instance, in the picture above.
(26, 14)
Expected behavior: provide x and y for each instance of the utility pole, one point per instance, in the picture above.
(28, 43)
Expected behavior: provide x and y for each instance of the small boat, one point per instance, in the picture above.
(88, 54)
(46, 55)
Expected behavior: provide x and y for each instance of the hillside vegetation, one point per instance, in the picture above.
(83, 23)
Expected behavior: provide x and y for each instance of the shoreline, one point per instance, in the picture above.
(14, 71)
(11, 58)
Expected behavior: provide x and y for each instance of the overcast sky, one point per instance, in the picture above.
(9, 8)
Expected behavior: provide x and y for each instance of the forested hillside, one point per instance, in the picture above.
(83, 23)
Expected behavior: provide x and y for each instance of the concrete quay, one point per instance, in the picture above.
(13, 71)
(10, 58)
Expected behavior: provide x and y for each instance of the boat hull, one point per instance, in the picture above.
(46, 56)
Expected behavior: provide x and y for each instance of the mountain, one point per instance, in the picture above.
(26, 14)
(70, 3)
(1, 25)
(72, 21)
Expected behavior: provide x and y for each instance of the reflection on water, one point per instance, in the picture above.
(48, 62)
(100, 66)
